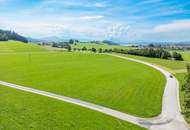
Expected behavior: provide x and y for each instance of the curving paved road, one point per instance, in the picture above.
(169, 119)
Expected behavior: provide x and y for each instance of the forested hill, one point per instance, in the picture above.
(11, 35)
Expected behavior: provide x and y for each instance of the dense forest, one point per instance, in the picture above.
(11, 35)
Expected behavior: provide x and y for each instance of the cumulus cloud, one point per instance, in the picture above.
(173, 26)
(117, 31)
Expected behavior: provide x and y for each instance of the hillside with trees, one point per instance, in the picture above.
(11, 35)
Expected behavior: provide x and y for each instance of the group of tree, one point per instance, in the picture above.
(186, 93)
(62, 45)
(109, 42)
(11, 35)
(177, 56)
(95, 50)
(72, 41)
(150, 52)
(147, 52)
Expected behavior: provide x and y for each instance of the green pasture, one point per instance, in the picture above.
(101, 45)
(170, 65)
(109, 81)
(25, 111)
(15, 46)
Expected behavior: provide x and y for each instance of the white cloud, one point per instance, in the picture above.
(80, 3)
(173, 26)
(93, 17)
(100, 5)
(117, 30)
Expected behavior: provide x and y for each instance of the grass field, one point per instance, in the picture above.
(185, 55)
(172, 66)
(97, 46)
(15, 46)
(25, 111)
(123, 85)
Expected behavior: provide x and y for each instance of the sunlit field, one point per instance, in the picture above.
(124, 85)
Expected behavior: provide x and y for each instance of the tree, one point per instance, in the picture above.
(77, 41)
(69, 48)
(74, 49)
(151, 45)
(54, 45)
(186, 92)
(165, 55)
(84, 48)
(11, 35)
(100, 50)
(71, 41)
(93, 50)
(106, 50)
(177, 56)
(4, 37)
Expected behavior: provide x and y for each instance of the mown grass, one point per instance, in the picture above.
(101, 45)
(25, 111)
(116, 83)
(173, 67)
(15, 46)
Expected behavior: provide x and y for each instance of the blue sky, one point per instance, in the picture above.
(124, 20)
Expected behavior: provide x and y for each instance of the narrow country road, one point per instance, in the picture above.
(169, 119)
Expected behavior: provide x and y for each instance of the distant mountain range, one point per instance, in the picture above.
(6, 35)
(48, 39)
(110, 41)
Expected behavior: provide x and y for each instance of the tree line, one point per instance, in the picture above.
(186, 93)
(150, 52)
(62, 45)
(147, 52)
(11, 35)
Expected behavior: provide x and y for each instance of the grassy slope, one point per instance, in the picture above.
(97, 46)
(123, 85)
(23, 111)
(15, 46)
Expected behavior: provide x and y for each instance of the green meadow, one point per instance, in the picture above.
(109, 81)
(15, 46)
(25, 111)
(178, 68)
(186, 55)
(100, 45)
(170, 65)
